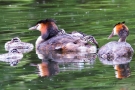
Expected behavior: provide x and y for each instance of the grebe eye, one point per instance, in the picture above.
(91, 38)
(37, 25)
(15, 40)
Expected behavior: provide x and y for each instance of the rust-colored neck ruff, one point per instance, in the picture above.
(48, 30)
(43, 28)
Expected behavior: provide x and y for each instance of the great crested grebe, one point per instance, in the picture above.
(52, 39)
(117, 49)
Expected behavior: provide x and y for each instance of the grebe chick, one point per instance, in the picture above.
(117, 49)
(52, 39)
(16, 43)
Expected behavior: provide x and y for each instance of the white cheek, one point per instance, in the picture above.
(39, 40)
(114, 30)
(39, 27)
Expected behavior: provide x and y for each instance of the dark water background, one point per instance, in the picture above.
(94, 17)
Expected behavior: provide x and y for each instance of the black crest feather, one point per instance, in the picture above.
(46, 21)
(119, 23)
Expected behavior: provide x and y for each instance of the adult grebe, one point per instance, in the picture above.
(116, 49)
(51, 39)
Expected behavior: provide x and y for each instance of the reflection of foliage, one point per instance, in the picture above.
(7, 2)
(13, 2)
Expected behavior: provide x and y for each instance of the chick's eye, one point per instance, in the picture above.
(38, 27)
(91, 38)
(15, 40)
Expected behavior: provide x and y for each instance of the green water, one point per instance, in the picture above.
(94, 17)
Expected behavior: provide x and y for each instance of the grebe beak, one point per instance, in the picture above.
(33, 28)
(111, 35)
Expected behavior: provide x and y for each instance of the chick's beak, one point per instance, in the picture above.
(33, 28)
(111, 35)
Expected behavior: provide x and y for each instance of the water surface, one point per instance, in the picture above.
(95, 17)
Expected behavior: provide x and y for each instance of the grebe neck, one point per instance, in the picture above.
(122, 39)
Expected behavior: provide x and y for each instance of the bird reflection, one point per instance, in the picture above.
(47, 68)
(53, 62)
(12, 57)
(121, 65)
(122, 71)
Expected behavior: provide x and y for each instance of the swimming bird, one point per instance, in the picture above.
(16, 43)
(54, 39)
(117, 49)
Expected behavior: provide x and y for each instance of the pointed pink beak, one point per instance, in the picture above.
(111, 35)
(33, 28)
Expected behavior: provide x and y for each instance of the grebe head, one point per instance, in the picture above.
(93, 40)
(16, 39)
(47, 27)
(121, 30)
